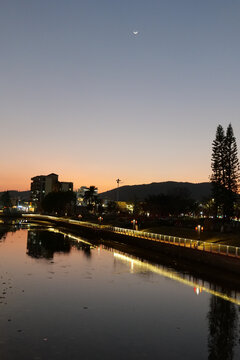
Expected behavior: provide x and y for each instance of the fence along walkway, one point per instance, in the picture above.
(225, 250)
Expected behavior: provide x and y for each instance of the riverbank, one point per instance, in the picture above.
(214, 231)
(230, 238)
(208, 266)
(219, 256)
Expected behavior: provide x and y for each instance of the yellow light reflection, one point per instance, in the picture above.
(73, 237)
(171, 275)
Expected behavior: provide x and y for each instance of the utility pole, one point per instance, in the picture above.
(118, 182)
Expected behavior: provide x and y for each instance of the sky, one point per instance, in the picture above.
(83, 97)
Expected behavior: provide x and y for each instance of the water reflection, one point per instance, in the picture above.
(43, 244)
(8, 226)
(139, 266)
(131, 307)
(222, 325)
(3, 235)
(222, 317)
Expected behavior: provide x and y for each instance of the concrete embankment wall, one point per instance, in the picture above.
(178, 252)
(212, 260)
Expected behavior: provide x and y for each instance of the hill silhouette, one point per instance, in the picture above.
(197, 191)
(21, 195)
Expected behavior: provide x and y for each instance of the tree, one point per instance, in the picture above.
(6, 199)
(61, 202)
(112, 207)
(90, 197)
(225, 171)
(231, 176)
(175, 203)
(218, 168)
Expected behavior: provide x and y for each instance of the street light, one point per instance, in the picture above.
(199, 228)
(134, 222)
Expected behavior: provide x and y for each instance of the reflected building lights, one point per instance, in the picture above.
(197, 290)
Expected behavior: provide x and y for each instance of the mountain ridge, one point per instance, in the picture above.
(198, 191)
(21, 195)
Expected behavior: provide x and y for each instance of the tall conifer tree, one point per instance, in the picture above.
(231, 171)
(218, 168)
(231, 161)
(225, 170)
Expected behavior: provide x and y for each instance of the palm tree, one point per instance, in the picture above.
(90, 196)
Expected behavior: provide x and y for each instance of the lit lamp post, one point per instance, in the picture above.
(134, 222)
(199, 228)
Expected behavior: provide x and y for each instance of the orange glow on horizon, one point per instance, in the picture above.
(22, 183)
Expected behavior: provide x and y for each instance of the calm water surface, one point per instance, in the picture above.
(61, 298)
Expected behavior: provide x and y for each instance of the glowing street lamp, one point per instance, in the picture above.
(134, 222)
(199, 228)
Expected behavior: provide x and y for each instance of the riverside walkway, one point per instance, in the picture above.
(224, 250)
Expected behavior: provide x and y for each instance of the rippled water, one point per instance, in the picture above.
(61, 298)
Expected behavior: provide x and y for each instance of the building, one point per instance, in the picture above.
(42, 185)
(66, 186)
(51, 183)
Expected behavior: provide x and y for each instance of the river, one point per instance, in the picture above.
(64, 297)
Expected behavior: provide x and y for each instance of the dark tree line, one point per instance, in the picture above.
(225, 171)
(60, 202)
(6, 199)
(175, 203)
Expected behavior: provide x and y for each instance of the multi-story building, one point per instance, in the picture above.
(42, 185)
(51, 183)
(66, 186)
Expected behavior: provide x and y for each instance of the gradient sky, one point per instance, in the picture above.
(83, 97)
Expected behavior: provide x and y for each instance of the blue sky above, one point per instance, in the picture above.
(82, 96)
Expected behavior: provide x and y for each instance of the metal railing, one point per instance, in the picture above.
(226, 250)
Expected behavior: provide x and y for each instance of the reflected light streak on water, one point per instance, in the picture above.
(174, 276)
(64, 297)
(142, 265)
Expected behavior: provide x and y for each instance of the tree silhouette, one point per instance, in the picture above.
(231, 177)
(218, 168)
(61, 202)
(174, 203)
(6, 199)
(225, 171)
(90, 195)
